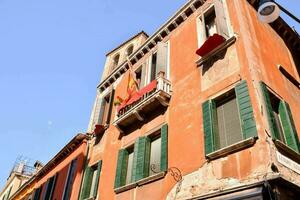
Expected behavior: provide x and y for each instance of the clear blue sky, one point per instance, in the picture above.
(51, 58)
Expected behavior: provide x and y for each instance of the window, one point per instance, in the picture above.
(91, 181)
(210, 22)
(70, 180)
(138, 76)
(228, 119)
(129, 50)
(148, 157)
(228, 122)
(153, 67)
(213, 20)
(129, 166)
(281, 123)
(105, 109)
(49, 187)
(155, 155)
(115, 61)
(37, 193)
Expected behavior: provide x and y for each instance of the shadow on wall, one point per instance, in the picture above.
(210, 62)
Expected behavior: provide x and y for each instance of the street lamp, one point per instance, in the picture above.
(269, 10)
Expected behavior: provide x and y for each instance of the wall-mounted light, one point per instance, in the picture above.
(269, 11)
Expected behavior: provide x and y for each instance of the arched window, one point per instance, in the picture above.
(115, 61)
(129, 50)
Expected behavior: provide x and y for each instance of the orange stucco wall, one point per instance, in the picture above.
(62, 170)
(255, 54)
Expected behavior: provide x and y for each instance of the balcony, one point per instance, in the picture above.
(156, 94)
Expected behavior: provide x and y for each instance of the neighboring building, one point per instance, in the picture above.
(61, 177)
(21, 172)
(223, 125)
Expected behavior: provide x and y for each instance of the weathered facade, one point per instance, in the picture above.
(61, 177)
(222, 125)
(225, 123)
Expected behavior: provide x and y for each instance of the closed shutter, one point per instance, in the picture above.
(164, 148)
(99, 166)
(121, 168)
(87, 182)
(245, 110)
(162, 57)
(221, 18)
(288, 125)
(37, 193)
(143, 76)
(270, 115)
(141, 159)
(209, 125)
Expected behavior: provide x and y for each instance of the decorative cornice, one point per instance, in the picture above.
(180, 16)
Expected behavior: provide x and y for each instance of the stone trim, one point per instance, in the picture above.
(232, 148)
(141, 182)
(221, 47)
(286, 150)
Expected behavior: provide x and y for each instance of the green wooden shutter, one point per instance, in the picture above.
(270, 115)
(99, 166)
(141, 158)
(209, 125)
(87, 182)
(288, 126)
(111, 103)
(246, 111)
(121, 168)
(164, 148)
(37, 193)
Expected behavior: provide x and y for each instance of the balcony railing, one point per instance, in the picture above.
(148, 101)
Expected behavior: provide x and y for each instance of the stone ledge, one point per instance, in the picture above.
(221, 47)
(286, 150)
(232, 148)
(141, 182)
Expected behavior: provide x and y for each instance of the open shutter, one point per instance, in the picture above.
(162, 57)
(246, 111)
(141, 158)
(221, 18)
(209, 125)
(99, 166)
(37, 193)
(87, 182)
(143, 76)
(288, 125)
(111, 103)
(121, 168)
(269, 110)
(101, 103)
(164, 148)
(49, 188)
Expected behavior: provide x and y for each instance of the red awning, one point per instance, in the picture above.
(99, 129)
(151, 86)
(210, 44)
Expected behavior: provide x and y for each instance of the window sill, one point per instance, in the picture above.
(221, 47)
(90, 198)
(141, 182)
(286, 150)
(232, 148)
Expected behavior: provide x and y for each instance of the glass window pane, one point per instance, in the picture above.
(229, 126)
(129, 167)
(155, 154)
(93, 182)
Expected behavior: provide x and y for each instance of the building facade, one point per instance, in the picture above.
(205, 108)
(223, 124)
(61, 177)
